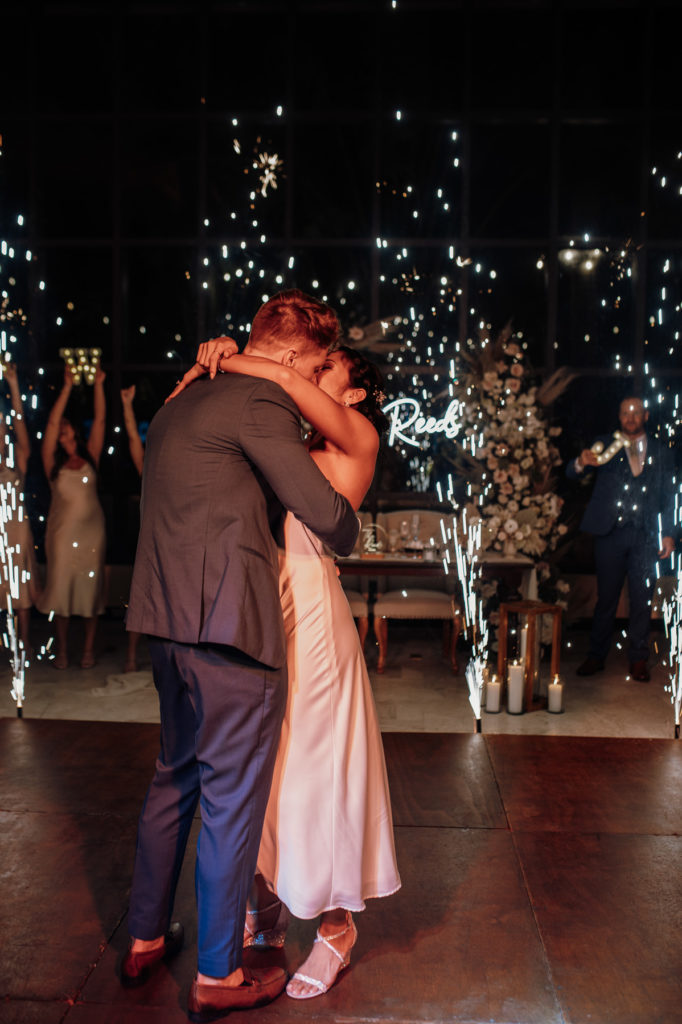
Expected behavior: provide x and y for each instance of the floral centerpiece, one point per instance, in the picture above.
(508, 458)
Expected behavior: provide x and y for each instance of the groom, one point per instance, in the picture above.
(222, 461)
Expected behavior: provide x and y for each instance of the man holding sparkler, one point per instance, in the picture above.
(631, 517)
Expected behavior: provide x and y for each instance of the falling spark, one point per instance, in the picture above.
(268, 166)
(672, 620)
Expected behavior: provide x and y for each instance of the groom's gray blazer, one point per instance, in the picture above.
(222, 460)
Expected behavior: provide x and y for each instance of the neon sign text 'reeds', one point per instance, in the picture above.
(407, 423)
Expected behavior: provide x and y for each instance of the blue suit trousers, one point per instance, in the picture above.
(626, 551)
(221, 714)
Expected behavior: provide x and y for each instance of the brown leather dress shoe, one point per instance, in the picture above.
(136, 967)
(639, 671)
(210, 1002)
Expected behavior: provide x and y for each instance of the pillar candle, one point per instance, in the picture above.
(555, 694)
(523, 645)
(515, 687)
(486, 678)
(492, 695)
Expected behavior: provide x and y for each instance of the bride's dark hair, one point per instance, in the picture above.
(364, 374)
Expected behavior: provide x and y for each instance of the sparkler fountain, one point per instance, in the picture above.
(672, 619)
(11, 512)
(469, 571)
(16, 541)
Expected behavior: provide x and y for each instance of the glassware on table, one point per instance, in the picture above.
(431, 550)
(414, 546)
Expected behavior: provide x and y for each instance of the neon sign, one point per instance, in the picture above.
(407, 423)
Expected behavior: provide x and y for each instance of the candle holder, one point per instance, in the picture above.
(532, 611)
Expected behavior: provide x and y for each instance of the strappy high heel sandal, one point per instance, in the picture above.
(343, 958)
(265, 938)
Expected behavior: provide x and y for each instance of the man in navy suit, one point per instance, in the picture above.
(630, 515)
(223, 460)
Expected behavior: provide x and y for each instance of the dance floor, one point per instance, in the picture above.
(541, 884)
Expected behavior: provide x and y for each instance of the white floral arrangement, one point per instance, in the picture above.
(508, 453)
(509, 448)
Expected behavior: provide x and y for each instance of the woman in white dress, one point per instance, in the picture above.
(327, 842)
(75, 536)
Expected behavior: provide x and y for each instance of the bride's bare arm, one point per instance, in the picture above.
(346, 428)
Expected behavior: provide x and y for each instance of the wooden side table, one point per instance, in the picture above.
(532, 610)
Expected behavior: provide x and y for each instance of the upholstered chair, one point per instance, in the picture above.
(411, 597)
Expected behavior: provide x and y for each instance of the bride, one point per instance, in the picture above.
(327, 842)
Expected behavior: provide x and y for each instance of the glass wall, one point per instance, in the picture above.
(168, 167)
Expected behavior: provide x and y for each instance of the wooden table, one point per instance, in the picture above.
(519, 570)
(390, 565)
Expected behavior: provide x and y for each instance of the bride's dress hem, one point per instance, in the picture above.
(354, 908)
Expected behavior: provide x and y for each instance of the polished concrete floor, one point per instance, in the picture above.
(541, 884)
(541, 880)
(417, 693)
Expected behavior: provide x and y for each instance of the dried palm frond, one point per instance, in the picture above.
(555, 385)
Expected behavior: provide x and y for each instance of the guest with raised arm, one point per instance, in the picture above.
(75, 538)
(135, 446)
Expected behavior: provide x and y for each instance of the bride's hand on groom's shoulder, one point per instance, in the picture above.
(196, 371)
(208, 361)
(211, 352)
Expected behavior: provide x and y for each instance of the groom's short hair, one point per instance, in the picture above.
(294, 317)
